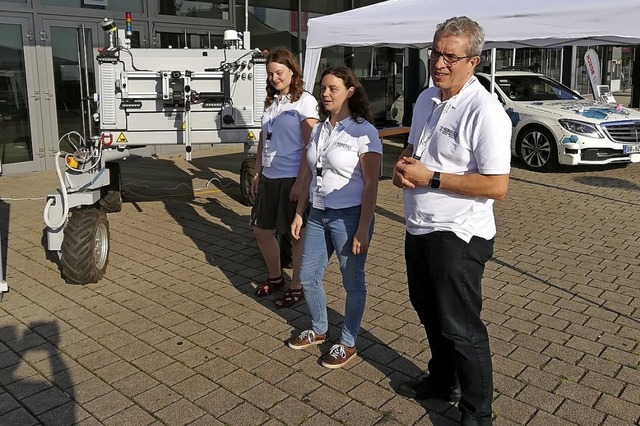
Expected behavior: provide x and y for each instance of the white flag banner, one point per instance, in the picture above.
(593, 70)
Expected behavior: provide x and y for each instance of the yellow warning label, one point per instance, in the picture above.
(184, 125)
(122, 138)
(251, 136)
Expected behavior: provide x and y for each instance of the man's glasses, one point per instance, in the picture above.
(448, 58)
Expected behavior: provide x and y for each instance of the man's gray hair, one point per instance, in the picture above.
(465, 27)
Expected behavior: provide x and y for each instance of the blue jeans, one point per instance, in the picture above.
(329, 231)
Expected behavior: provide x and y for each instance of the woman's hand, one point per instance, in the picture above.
(296, 189)
(296, 226)
(254, 184)
(360, 242)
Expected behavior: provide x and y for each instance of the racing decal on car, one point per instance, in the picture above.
(569, 139)
(600, 112)
(514, 116)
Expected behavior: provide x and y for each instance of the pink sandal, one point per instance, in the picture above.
(267, 287)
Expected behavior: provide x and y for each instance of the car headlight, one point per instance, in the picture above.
(581, 128)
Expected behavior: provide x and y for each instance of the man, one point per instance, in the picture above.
(456, 164)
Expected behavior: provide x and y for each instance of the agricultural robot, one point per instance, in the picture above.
(148, 97)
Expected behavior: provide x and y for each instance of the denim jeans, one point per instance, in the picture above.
(444, 274)
(329, 231)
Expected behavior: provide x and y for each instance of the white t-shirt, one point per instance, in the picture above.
(340, 151)
(282, 120)
(469, 133)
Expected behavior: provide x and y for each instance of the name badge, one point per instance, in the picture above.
(267, 158)
(318, 199)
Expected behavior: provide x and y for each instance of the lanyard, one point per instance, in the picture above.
(274, 112)
(429, 130)
(326, 136)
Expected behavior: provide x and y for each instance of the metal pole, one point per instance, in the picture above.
(86, 80)
(4, 287)
(79, 40)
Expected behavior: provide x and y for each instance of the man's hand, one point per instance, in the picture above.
(410, 173)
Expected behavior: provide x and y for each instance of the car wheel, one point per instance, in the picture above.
(247, 172)
(537, 148)
(111, 200)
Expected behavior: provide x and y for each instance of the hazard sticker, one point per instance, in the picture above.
(184, 125)
(251, 136)
(122, 138)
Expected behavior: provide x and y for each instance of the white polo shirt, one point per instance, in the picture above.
(282, 119)
(469, 133)
(340, 149)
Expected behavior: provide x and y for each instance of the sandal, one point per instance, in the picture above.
(267, 287)
(290, 298)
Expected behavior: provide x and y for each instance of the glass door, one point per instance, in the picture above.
(67, 50)
(21, 149)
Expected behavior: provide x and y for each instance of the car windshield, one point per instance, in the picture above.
(534, 88)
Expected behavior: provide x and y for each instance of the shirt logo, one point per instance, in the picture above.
(291, 113)
(449, 132)
(343, 145)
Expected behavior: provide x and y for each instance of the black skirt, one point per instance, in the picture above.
(272, 208)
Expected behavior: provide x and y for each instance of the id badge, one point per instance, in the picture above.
(267, 157)
(318, 200)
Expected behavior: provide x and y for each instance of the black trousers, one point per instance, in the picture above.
(444, 275)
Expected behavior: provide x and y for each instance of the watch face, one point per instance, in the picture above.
(435, 181)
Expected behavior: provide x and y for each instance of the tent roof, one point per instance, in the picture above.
(507, 23)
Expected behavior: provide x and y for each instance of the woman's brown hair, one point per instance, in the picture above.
(284, 56)
(358, 102)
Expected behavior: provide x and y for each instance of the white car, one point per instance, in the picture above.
(554, 125)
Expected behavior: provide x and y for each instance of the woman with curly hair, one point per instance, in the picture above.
(344, 155)
(289, 116)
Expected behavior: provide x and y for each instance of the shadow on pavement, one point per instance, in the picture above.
(51, 401)
(225, 237)
(557, 287)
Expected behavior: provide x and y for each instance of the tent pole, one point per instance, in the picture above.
(493, 70)
(561, 63)
(373, 60)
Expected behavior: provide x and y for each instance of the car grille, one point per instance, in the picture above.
(623, 131)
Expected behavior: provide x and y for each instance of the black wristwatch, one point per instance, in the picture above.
(435, 180)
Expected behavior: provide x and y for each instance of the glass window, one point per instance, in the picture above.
(214, 9)
(15, 145)
(119, 5)
(194, 41)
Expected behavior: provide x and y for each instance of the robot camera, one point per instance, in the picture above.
(175, 74)
(108, 25)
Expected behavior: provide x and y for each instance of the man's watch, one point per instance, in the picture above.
(435, 180)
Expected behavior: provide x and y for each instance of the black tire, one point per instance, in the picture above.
(111, 196)
(247, 172)
(538, 150)
(85, 247)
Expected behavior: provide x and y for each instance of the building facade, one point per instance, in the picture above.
(47, 50)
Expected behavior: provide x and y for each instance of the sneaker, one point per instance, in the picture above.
(305, 339)
(339, 356)
(426, 388)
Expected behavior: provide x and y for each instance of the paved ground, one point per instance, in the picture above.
(174, 335)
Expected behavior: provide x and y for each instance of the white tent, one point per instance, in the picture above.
(507, 24)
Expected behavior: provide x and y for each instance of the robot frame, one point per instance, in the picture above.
(217, 96)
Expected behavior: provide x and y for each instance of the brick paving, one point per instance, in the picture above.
(173, 333)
